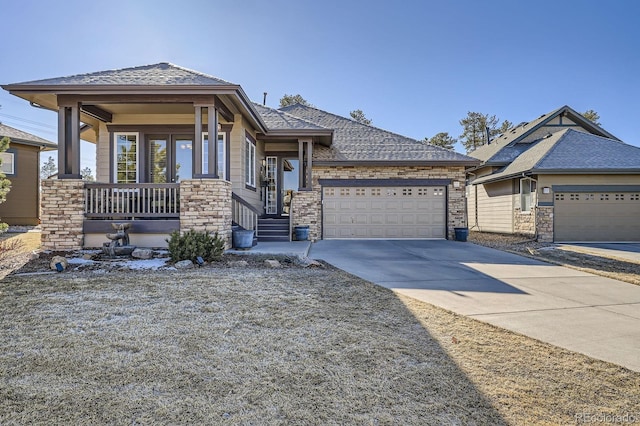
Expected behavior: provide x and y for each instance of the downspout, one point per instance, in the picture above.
(535, 212)
(475, 204)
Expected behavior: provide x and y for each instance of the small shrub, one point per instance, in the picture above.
(192, 244)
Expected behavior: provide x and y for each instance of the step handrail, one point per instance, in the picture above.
(244, 214)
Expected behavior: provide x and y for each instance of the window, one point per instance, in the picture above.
(8, 166)
(222, 155)
(250, 162)
(527, 189)
(126, 157)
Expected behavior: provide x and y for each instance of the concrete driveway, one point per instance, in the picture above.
(596, 316)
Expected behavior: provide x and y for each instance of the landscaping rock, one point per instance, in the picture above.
(142, 253)
(58, 259)
(272, 263)
(306, 262)
(239, 263)
(184, 264)
(89, 256)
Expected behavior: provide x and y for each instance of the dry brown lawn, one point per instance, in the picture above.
(262, 346)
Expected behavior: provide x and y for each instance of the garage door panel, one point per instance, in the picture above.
(384, 212)
(596, 217)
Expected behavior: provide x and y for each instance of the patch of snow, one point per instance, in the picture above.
(152, 264)
(79, 261)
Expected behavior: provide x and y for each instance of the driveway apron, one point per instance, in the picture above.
(585, 313)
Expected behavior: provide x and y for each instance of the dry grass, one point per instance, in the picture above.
(258, 346)
(16, 250)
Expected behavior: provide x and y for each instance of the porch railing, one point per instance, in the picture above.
(244, 214)
(132, 201)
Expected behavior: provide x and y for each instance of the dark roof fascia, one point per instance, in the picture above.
(392, 163)
(500, 178)
(325, 136)
(262, 127)
(595, 188)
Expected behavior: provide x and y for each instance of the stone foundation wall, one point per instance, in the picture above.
(544, 223)
(305, 211)
(62, 204)
(205, 205)
(456, 199)
(524, 223)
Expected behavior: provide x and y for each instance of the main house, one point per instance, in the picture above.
(158, 168)
(558, 178)
(21, 165)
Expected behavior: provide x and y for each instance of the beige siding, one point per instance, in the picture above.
(238, 155)
(22, 204)
(495, 207)
(102, 154)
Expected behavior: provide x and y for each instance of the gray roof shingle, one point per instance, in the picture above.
(160, 74)
(571, 150)
(505, 148)
(357, 142)
(19, 136)
(281, 120)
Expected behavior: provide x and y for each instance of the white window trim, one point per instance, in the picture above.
(250, 163)
(529, 183)
(12, 161)
(222, 172)
(115, 154)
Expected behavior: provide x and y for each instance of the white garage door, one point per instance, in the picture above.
(597, 216)
(384, 212)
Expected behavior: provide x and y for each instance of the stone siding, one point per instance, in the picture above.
(205, 205)
(544, 223)
(62, 214)
(305, 211)
(524, 223)
(309, 207)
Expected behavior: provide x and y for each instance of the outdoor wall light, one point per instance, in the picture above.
(456, 184)
(546, 190)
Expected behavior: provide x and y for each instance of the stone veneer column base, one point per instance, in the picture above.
(205, 205)
(62, 204)
(544, 223)
(305, 211)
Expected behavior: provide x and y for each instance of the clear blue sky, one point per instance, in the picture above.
(414, 67)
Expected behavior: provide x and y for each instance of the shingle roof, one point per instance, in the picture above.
(357, 142)
(571, 150)
(281, 120)
(504, 149)
(160, 74)
(19, 136)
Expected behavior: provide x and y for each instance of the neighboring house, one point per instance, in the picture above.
(158, 169)
(21, 165)
(560, 178)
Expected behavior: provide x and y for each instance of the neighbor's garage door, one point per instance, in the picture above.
(384, 212)
(597, 216)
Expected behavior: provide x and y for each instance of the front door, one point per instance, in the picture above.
(281, 174)
(170, 158)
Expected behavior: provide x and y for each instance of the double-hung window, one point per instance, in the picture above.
(222, 154)
(8, 166)
(126, 148)
(250, 162)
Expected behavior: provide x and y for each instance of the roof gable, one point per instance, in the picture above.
(504, 149)
(357, 142)
(19, 136)
(571, 151)
(281, 120)
(160, 74)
